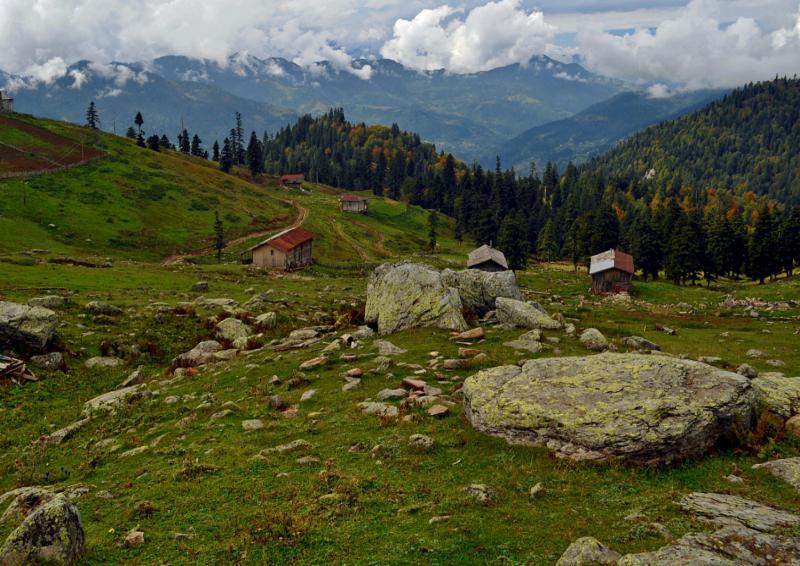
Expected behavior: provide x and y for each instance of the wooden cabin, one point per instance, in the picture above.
(353, 203)
(6, 103)
(293, 180)
(290, 249)
(612, 272)
(486, 258)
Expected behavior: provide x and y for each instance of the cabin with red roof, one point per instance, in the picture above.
(293, 180)
(353, 203)
(612, 272)
(287, 250)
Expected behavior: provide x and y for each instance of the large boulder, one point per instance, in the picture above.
(644, 409)
(200, 355)
(479, 290)
(26, 329)
(407, 295)
(779, 395)
(51, 533)
(232, 329)
(524, 315)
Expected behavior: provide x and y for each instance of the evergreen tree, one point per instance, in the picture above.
(511, 240)
(92, 116)
(154, 143)
(226, 156)
(139, 121)
(219, 236)
(164, 142)
(215, 151)
(433, 221)
(762, 260)
(604, 230)
(197, 146)
(140, 141)
(255, 156)
(576, 243)
(184, 145)
(131, 133)
(238, 141)
(546, 244)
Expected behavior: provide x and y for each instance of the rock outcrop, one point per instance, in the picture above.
(51, 533)
(232, 329)
(644, 409)
(524, 315)
(407, 295)
(26, 329)
(779, 395)
(479, 290)
(586, 551)
(787, 469)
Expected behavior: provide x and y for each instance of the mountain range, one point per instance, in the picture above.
(474, 116)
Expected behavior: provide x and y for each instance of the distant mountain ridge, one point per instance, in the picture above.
(462, 114)
(595, 130)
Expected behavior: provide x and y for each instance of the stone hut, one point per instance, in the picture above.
(612, 272)
(353, 203)
(486, 258)
(290, 249)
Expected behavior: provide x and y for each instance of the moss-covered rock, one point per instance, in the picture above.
(479, 290)
(26, 329)
(779, 395)
(524, 315)
(52, 534)
(408, 295)
(645, 409)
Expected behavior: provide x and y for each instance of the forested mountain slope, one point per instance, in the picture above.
(747, 141)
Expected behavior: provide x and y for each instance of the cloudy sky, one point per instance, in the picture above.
(696, 43)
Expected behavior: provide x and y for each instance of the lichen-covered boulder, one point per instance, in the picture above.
(51, 533)
(232, 329)
(200, 355)
(787, 469)
(50, 302)
(588, 551)
(779, 395)
(644, 409)
(593, 339)
(479, 290)
(26, 329)
(111, 401)
(524, 315)
(101, 308)
(408, 295)
(725, 509)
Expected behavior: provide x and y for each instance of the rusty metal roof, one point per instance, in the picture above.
(611, 259)
(293, 177)
(287, 240)
(352, 198)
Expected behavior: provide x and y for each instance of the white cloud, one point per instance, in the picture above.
(495, 34)
(47, 72)
(698, 49)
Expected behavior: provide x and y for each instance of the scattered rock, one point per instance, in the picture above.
(528, 342)
(293, 446)
(416, 384)
(523, 315)
(754, 353)
(724, 509)
(647, 409)
(438, 411)
(354, 372)
(103, 362)
(471, 334)
(747, 370)
(787, 469)
(386, 348)
(50, 302)
(468, 352)
(379, 409)
(252, 424)
(53, 361)
(351, 384)
(200, 355)
(26, 329)
(421, 441)
(779, 395)
(266, 321)
(793, 425)
(134, 538)
(391, 394)
(456, 363)
(277, 402)
(537, 490)
(308, 395)
(200, 287)
(100, 308)
(593, 339)
(314, 363)
(232, 329)
(109, 402)
(640, 343)
(67, 432)
(482, 493)
(588, 551)
(407, 295)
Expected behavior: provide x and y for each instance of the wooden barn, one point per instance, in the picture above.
(293, 180)
(353, 203)
(612, 272)
(486, 258)
(290, 249)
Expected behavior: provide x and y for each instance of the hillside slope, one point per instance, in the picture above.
(138, 204)
(595, 130)
(747, 141)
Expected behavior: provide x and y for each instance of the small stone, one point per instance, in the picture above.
(482, 493)
(391, 394)
(455, 364)
(416, 384)
(293, 446)
(355, 372)
(747, 370)
(314, 363)
(472, 334)
(734, 479)
(277, 402)
(252, 424)
(586, 551)
(438, 519)
(537, 490)
(221, 415)
(200, 287)
(308, 395)
(134, 538)
(593, 339)
(438, 411)
(103, 362)
(421, 441)
(350, 385)
(182, 537)
(386, 348)
(379, 409)
(793, 425)
(754, 353)
(307, 460)
(468, 352)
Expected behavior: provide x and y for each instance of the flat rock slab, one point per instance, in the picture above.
(524, 315)
(787, 469)
(726, 510)
(644, 409)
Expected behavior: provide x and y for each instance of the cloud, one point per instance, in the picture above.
(39, 34)
(492, 35)
(698, 49)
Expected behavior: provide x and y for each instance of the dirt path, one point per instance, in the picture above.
(344, 238)
(302, 214)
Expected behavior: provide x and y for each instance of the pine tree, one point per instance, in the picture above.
(215, 150)
(139, 121)
(433, 221)
(762, 260)
(140, 141)
(511, 240)
(92, 117)
(238, 145)
(131, 133)
(154, 143)
(546, 244)
(164, 142)
(604, 230)
(219, 236)
(184, 143)
(197, 146)
(226, 156)
(255, 156)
